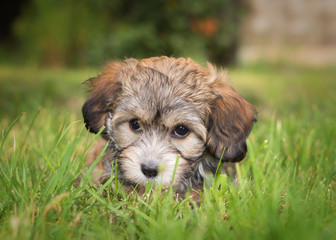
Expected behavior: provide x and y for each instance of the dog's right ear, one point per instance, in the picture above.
(230, 121)
(105, 89)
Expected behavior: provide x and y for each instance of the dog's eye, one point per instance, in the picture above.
(181, 131)
(134, 125)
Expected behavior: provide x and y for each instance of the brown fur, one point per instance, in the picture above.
(163, 93)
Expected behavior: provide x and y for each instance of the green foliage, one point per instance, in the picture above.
(90, 32)
(286, 187)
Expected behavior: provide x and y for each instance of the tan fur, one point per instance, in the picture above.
(163, 93)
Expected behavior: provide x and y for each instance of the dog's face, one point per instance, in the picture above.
(156, 109)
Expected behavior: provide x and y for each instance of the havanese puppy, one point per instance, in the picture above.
(159, 110)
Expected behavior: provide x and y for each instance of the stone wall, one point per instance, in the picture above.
(301, 30)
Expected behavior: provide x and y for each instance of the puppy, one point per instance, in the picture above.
(159, 108)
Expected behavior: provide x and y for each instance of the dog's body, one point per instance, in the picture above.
(158, 108)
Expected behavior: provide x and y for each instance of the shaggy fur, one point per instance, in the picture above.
(157, 108)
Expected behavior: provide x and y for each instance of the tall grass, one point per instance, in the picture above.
(286, 187)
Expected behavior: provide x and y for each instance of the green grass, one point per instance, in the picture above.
(287, 182)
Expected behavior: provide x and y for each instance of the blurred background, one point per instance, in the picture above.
(302, 31)
(279, 53)
(90, 32)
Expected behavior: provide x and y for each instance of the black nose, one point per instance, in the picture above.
(149, 170)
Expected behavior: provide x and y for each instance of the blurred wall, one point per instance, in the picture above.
(298, 30)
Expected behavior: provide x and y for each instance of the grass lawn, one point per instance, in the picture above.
(287, 182)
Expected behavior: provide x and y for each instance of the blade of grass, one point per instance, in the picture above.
(30, 127)
(5, 135)
(174, 172)
(219, 167)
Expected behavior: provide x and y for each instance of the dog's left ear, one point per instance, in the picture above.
(230, 122)
(104, 91)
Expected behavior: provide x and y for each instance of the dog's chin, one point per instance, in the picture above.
(142, 184)
(141, 187)
(139, 179)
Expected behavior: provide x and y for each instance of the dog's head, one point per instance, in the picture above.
(158, 108)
